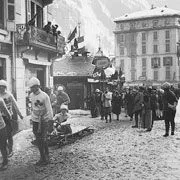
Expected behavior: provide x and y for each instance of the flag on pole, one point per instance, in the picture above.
(75, 43)
(80, 39)
(72, 35)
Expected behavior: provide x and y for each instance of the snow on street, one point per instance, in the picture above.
(114, 152)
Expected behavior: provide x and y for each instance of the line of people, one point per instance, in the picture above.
(144, 104)
(104, 103)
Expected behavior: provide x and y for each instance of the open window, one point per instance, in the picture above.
(155, 62)
(37, 14)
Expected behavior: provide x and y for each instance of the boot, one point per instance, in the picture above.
(110, 120)
(4, 165)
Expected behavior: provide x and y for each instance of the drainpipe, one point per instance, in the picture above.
(13, 65)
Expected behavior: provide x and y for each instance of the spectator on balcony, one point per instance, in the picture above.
(54, 30)
(48, 27)
(58, 33)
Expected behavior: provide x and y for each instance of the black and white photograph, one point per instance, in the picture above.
(89, 89)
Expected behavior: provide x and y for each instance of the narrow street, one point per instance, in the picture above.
(114, 152)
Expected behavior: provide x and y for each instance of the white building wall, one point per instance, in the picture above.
(174, 37)
(20, 85)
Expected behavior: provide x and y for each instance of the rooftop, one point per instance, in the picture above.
(77, 66)
(151, 13)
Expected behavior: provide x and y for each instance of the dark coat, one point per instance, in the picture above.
(129, 100)
(116, 103)
(138, 101)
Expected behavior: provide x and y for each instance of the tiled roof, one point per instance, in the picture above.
(73, 67)
(156, 12)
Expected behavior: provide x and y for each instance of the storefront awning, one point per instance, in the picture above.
(36, 62)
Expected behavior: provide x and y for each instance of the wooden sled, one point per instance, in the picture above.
(78, 132)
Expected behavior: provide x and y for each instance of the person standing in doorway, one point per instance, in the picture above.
(10, 104)
(3, 134)
(41, 114)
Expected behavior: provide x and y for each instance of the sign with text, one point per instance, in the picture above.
(102, 62)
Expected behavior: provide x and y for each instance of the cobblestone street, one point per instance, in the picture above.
(114, 151)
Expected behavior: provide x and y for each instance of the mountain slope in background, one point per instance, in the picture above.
(96, 18)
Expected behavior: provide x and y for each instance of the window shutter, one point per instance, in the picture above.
(11, 15)
(11, 10)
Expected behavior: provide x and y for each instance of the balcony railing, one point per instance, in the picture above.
(30, 35)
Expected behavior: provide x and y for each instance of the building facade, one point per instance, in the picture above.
(7, 28)
(146, 45)
(35, 48)
(26, 50)
(73, 73)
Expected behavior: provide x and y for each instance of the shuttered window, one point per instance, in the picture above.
(1, 13)
(11, 10)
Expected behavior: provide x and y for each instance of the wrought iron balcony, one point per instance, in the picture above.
(33, 36)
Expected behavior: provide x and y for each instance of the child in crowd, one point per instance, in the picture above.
(60, 119)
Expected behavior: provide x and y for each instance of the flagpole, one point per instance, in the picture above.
(79, 28)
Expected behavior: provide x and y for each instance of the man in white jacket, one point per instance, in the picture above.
(41, 114)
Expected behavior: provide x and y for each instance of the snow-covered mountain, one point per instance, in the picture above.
(96, 18)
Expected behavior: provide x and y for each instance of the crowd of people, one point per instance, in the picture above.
(44, 106)
(143, 104)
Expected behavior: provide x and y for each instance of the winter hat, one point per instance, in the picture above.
(34, 81)
(166, 85)
(60, 88)
(97, 91)
(3, 83)
(161, 91)
(65, 107)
